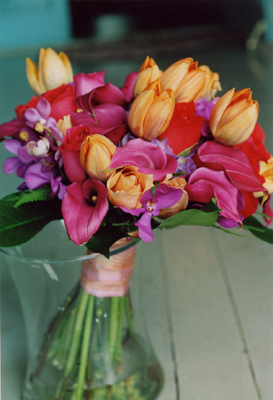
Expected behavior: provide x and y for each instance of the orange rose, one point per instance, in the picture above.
(178, 183)
(126, 186)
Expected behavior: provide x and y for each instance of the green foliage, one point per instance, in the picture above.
(205, 216)
(104, 238)
(258, 229)
(39, 194)
(20, 223)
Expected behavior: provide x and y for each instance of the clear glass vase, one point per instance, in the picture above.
(86, 337)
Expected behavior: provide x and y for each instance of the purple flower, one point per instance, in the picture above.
(203, 109)
(39, 118)
(163, 197)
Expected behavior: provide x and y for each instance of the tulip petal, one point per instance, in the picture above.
(32, 77)
(242, 125)
(82, 216)
(217, 112)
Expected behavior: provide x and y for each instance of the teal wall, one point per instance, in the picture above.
(33, 22)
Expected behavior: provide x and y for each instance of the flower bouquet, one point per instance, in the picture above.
(114, 164)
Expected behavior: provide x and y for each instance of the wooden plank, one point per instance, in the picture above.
(211, 363)
(248, 265)
(153, 303)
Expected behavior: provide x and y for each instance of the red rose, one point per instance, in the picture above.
(184, 129)
(61, 99)
(70, 150)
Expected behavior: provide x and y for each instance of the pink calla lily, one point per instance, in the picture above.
(110, 119)
(107, 94)
(83, 207)
(205, 184)
(233, 161)
(12, 128)
(147, 157)
(128, 87)
(84, 83)
(72, 165)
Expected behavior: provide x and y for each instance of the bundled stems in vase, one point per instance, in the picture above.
(89, 331)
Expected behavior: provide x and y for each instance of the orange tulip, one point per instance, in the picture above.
(148, 73)
(178, 183)
(126, 187)
(234, 117)
(53, 71)
(151, 111)
(95, 155)
(185, 78)
(212, 84)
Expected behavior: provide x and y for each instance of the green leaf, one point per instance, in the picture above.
(19, 225)
(103, 239)
(185, 152)
(206, 216)
(259, 230)
(231, 232)
(39, 194)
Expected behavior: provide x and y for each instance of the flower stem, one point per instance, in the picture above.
(113, 331)
(75, 345)
(77, 395)
(129, 318)
(76, 335)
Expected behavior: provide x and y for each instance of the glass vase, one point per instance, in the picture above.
(86, 337)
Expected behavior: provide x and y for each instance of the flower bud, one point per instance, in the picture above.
(178, 183)
(234, 117)
(95, 155)
(185, 78)
(148, 73)
(151, 111)
(53, 71)
(212, 84)
(126, 186)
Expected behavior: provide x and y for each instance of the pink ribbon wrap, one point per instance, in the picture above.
(104, 277)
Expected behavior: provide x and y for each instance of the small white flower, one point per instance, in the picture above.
(38, 149)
